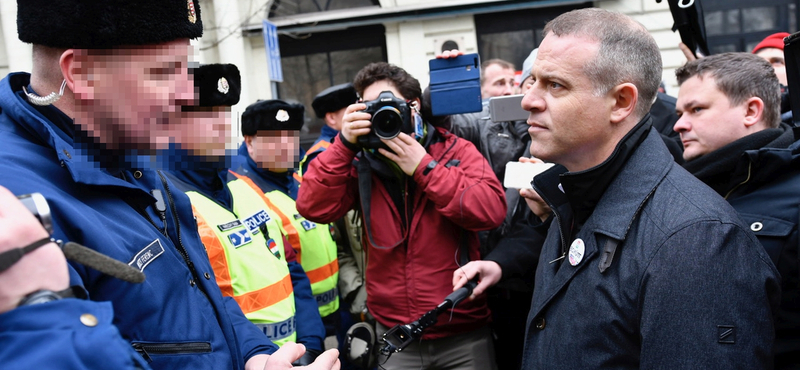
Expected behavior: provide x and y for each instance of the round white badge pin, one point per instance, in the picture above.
(576, 252)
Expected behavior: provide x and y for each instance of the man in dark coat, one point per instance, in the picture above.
(735, 143)
(642, 266)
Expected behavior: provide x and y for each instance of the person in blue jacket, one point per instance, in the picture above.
(329, 105)
(99, 100)
(209, 176)
(42, 324)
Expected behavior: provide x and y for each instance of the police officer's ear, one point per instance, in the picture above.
(75, 70)
(248, 141)
(624, 98)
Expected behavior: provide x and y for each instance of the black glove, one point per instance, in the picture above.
(308, 358)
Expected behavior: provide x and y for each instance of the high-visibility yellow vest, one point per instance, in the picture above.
(316, 250)
(248, 259)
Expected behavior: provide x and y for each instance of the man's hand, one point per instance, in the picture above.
(449, 54)
(535, 202)
(687, 52)
(488, 272)
(355, 122)
(282, 359)
(405, 151)
(44, 268)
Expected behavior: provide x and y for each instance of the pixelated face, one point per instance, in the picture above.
(204, 133)
(497, 81)
(707, 120)
(276, 150)
(126, 96)
(568, 121)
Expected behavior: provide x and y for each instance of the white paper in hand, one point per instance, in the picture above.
(519, 174)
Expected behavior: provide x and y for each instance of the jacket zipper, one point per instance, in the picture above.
(181, 248)
(749, 168)
(146, 349)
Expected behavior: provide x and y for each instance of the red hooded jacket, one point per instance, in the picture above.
(411, 271)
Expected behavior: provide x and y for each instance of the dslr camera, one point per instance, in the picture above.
(390, 116)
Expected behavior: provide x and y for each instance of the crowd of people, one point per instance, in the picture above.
(665, 235)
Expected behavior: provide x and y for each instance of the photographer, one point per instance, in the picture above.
(430, 192)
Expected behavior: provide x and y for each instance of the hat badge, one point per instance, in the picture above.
(222, 85)
(192, 14)
(282, 115)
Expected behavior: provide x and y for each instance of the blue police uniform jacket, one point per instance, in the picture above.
(178, 317)
(665, 276)
(62, 334)
(310, 331)
(326, 134)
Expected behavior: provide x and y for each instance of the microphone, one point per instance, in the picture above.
(102, 263)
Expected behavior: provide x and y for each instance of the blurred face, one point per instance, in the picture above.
(707, 120)
(276, 151)
(775, 57)
(525, 85)
(497, 81)
(204, 133)
(569, 124)
(125, 96)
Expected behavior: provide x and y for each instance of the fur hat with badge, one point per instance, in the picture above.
(334, 98)
(217, 85)
(104, 24)
(272, 115)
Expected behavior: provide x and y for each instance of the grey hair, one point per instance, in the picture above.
(628, 53)
(740, 76)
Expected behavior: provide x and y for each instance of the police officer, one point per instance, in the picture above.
(101, 98)
(271, 132)
(242, 236)
(329, 105)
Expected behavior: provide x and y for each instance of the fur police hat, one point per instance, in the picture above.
(104, 24)
(272, 115)
(217, 85)
(333, 99)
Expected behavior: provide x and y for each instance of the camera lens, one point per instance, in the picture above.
(387, 122)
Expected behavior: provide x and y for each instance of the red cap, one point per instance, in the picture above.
(774, 40)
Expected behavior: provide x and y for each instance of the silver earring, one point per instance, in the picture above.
(45, 100)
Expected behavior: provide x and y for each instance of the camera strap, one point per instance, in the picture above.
(365, 193)
(12, 256)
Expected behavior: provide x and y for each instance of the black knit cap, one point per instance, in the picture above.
(217, 85)
(334, 98)
(272, 115)
(104, 24)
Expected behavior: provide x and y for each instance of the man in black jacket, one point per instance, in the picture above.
(729, 107)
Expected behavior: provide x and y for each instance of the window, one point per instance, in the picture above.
(738, 25)
(314, 62)
(512, 35)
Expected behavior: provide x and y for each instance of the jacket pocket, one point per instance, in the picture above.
(155, 349)
(771, 232)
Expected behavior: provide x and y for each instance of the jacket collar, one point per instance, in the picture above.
(729, 166)
(616, 208)
(81, 166)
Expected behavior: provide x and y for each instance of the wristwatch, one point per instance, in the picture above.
(39, 296)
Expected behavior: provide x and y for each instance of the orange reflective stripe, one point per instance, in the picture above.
(266, 296)
(292, 235)
(297, 177)
(321, 273)
(216, 254)
(320, 144)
